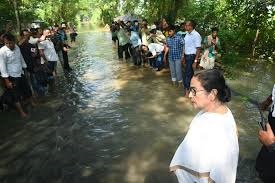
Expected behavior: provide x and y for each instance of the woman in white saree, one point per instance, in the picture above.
(210, 150)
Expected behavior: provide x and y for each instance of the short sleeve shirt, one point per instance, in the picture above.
(49, 50)
(155, 48)
(175, 45)
(192, 42)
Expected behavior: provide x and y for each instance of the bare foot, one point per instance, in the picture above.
(23, 115)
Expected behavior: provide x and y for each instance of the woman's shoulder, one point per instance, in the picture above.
(213, 118)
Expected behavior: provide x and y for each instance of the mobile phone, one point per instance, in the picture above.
(262, 125)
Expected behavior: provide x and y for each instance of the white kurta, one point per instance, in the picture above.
(210, 148)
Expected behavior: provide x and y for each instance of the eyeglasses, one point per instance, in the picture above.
(194, 91)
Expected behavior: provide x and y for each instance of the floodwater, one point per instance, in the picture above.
(108, 121)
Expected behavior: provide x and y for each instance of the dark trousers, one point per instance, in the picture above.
(65, 59)
(21, 88)
(189, 72)
(124, 48)
(136, 56)
(265, 162)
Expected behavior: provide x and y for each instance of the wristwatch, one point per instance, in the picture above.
(195, 60)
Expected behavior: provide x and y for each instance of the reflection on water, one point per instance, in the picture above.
(112, 122)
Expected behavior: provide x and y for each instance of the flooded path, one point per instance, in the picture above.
(111, 122)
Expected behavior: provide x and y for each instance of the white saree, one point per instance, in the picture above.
(209, 151)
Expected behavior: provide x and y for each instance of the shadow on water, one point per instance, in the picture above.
(111, 122)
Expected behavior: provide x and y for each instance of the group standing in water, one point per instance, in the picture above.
(164, 46)
(210, 150)
(28, 64)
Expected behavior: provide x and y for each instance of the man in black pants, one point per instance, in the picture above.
(60, 41)
(12, 64)
(265, 163)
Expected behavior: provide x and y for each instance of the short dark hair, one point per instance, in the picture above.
(10, 37)
(214, 79)
(22, 31)
(213, 29)
(193, 23)
(143, 45)
(172, 27)
(153, 31)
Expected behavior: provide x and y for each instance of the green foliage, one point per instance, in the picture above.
(6, 14)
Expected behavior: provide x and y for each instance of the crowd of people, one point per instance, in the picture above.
(210, 150)
(28, 64)
(164, 45)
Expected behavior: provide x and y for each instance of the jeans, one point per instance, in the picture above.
(52, 65)
(176, 69)
(158, 61)
(189, 72)
(65, 59)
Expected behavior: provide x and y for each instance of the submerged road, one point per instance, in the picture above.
(109, 121)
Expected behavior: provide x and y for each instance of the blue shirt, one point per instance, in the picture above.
(135, 39)
(175, 45)
(63, 35)
(135, 28)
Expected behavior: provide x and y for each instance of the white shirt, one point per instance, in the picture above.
(33, 40)
(273, 99)
(192, 42)
(49, 51)
(211, 145)
(159, 38)
(155, 48)
(11, 62)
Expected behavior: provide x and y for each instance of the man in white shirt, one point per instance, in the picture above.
(192, 51)
(47, 52)
(135, 44)
(158, 54)
(11, 68)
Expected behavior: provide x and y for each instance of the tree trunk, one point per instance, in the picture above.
(255, 42)
(176, 5)
(16, 11)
